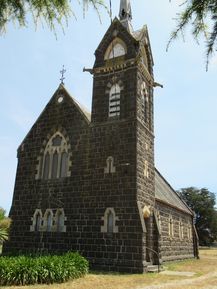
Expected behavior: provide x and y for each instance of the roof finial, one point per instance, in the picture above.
(63, 71)
(125, 14)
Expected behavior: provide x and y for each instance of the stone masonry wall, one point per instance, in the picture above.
(174, 247)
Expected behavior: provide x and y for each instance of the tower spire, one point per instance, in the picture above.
(125, 14)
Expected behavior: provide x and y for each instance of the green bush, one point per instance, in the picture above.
(25, 270)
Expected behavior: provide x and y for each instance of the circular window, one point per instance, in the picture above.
(60, 99)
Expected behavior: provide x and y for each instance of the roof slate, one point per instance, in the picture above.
(165, 193)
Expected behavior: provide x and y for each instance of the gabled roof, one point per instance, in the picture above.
(166, 194)
(115, 24)
(140, 34)
(81, 108)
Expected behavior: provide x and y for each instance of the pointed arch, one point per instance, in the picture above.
(36, 221)
(115, 49)
(54, 161)
(114, 100)
(110, 220)
(110, 168)
(60, 220)
(48, 220)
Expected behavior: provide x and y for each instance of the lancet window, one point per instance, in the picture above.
(114, 100)
(109, 221)
(60, 220)
(53, 220)
(170, 225)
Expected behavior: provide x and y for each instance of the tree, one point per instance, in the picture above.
(4, 226)
(202, 202)
(202, 15)
(51, 11)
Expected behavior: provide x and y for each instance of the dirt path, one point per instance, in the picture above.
(197, 282)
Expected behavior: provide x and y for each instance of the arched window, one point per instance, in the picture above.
(180, 229)
(38, 222)
(110, 220)
(54, 163)
(170, 225)
(110, 168)
(116, 49)
(64, 165)
(49, 222)
(60, 220)
(46, 166)
(114, 100)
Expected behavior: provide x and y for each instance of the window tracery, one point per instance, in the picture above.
(54, 162)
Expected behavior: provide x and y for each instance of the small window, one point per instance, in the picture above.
(38, 222)
(110, 168)
(171, 231)
(189, 231)
(49, 222)
(114, 100)
(110, 220)
(60, 220)
(180, 229)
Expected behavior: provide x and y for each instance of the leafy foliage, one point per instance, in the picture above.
(202, 15)
(4, 226)
(51, 11)
(26, 270)
(202, 202)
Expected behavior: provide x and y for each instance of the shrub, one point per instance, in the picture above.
(26, 270)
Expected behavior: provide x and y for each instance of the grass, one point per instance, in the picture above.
(207, 263)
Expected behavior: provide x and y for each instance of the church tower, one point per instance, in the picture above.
(121, 163)
(88, 184)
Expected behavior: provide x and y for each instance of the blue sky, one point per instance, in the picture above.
(185, 109)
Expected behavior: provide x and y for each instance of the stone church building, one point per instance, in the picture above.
(87, 182)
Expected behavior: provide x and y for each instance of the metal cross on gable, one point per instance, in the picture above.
(63, 71)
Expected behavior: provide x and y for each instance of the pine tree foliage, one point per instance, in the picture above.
(49, 11)
(202, 15)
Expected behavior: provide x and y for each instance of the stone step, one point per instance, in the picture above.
(154, 269)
